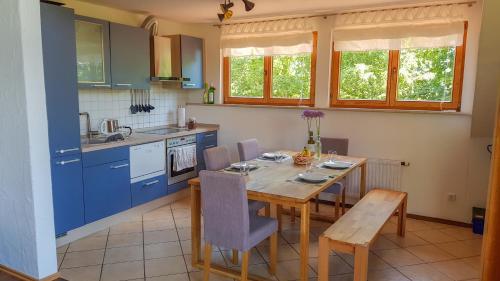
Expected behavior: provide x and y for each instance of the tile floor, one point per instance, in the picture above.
(156, 247)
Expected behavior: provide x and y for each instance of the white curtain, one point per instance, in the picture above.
(279, 37)
(421, 27)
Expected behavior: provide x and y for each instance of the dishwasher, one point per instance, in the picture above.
(147, 161)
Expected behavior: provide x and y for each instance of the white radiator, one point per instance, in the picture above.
(380, 173)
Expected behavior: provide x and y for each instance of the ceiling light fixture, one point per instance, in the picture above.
(227, 13)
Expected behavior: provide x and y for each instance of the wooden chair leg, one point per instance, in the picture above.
(343, 201)
(337, 206)
(292, 214)
(402, 218)
(316, 202)
(208, 259)
(244, 266)
(273, 253)
(235, 257)
(360, 263)
(267, 210)
(324, 251)
(279, 209)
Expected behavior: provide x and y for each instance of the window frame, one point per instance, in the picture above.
(391, 101)
(267, 98)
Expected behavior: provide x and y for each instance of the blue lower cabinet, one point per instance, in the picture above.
(148, 190)
(177, 187)
(67, 193)
(106, 190)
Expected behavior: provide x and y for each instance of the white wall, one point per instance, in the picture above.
(444, 159)
(27, 238)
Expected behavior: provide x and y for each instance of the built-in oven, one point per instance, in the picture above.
(172, 145)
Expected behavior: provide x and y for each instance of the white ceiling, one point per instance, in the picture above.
(205, 11)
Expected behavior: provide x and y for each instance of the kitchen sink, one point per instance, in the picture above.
(103, 139)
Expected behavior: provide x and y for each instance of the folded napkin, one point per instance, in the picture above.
(184, 157)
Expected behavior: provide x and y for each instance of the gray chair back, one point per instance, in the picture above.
(225, 209)
(216, 158)
(339, 145)
(248, 149)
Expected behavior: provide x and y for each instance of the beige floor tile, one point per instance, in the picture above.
(123, 271)
(437, 225)
(417, 225)
(103, 232)
(88, 243)
(456, 269)
(430, 253)
(423, 272)
(59, 260)
(389, 228)
(463, 249)
(181, 213)
(409, 240)
(155, 225)
(163, 214)
(386, 275)
(162, 250)
(255, 257)
(198, 276)
(185, 233)
(160, 236)
(184, 203)
(342, 277)
(461, 233)
(165, 266)
(285, 252)
(382, 243)
(313, 249)
(174, 277)
(124, 254)
(89, 273)
(183, 222)
(293, 236)
(83, 258)
(190, 268)
(122, 240)
(126, 227)
(336, 265)
(62, 249)
(434, 236)
(374, 262)
(398, 257)
(281, 241)
(290, 270)
(474, 262)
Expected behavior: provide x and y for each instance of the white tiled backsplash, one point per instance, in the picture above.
(107, 103)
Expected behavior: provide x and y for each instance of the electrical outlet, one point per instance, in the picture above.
(452, 197)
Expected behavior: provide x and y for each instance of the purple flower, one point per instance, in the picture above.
(312, 114)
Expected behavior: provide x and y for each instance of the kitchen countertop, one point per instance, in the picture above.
(140, 138)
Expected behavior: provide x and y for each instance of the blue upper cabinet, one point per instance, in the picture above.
(192, 61)
(93, 53)
(59, 56)
(129, 57)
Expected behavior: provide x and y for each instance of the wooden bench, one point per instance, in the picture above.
(354, 232)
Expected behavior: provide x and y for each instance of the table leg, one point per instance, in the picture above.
(273, 245)
(304, 240)
(402, 218)
(195, 225)
(362, 184)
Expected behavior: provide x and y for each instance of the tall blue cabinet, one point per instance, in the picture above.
(59, 57)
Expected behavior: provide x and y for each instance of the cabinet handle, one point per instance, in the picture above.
(210, 146)
(67, 162)
(210, 135)
(123, 84)
(62, 151)
(119, 166)
(101, 86)
(190, 84)
(150, 183)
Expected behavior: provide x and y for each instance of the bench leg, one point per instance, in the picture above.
(316, 203)
(292, 214)
(343, 201)
(402, 217)
(337, 207)
(324, 252)
(361, 263)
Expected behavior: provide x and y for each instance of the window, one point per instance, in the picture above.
(271, 80)
(408, 78)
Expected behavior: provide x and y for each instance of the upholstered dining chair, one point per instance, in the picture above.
(248, 149)
(229, 224)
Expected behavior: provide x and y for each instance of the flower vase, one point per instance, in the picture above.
(318, 148)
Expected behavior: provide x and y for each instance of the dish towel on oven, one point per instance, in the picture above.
(184, 157)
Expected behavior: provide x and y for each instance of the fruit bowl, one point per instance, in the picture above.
(301, 159)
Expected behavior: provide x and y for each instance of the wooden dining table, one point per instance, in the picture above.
(276, 182)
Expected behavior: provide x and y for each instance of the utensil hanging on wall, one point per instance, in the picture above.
(149, 93)
(132, 107)
(136, 105)
(147, 106)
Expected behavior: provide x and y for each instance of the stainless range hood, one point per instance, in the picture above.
(165, 61)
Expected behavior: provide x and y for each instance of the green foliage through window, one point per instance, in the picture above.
(291, 77)
(363, 75)
(247, 77)
(426, 74)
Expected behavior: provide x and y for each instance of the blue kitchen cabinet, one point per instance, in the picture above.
(204, 141)
(192, 62)
(129, 57)
(173, 188)
(106, 181)
(61, 94)
(93, 52)
(148, 190)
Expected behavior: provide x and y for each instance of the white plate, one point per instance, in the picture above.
(313, 177)
(270, 155)
(337, 165)
(238, 165)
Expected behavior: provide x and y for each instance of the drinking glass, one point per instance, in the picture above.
(244, 169)
(331, 155)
